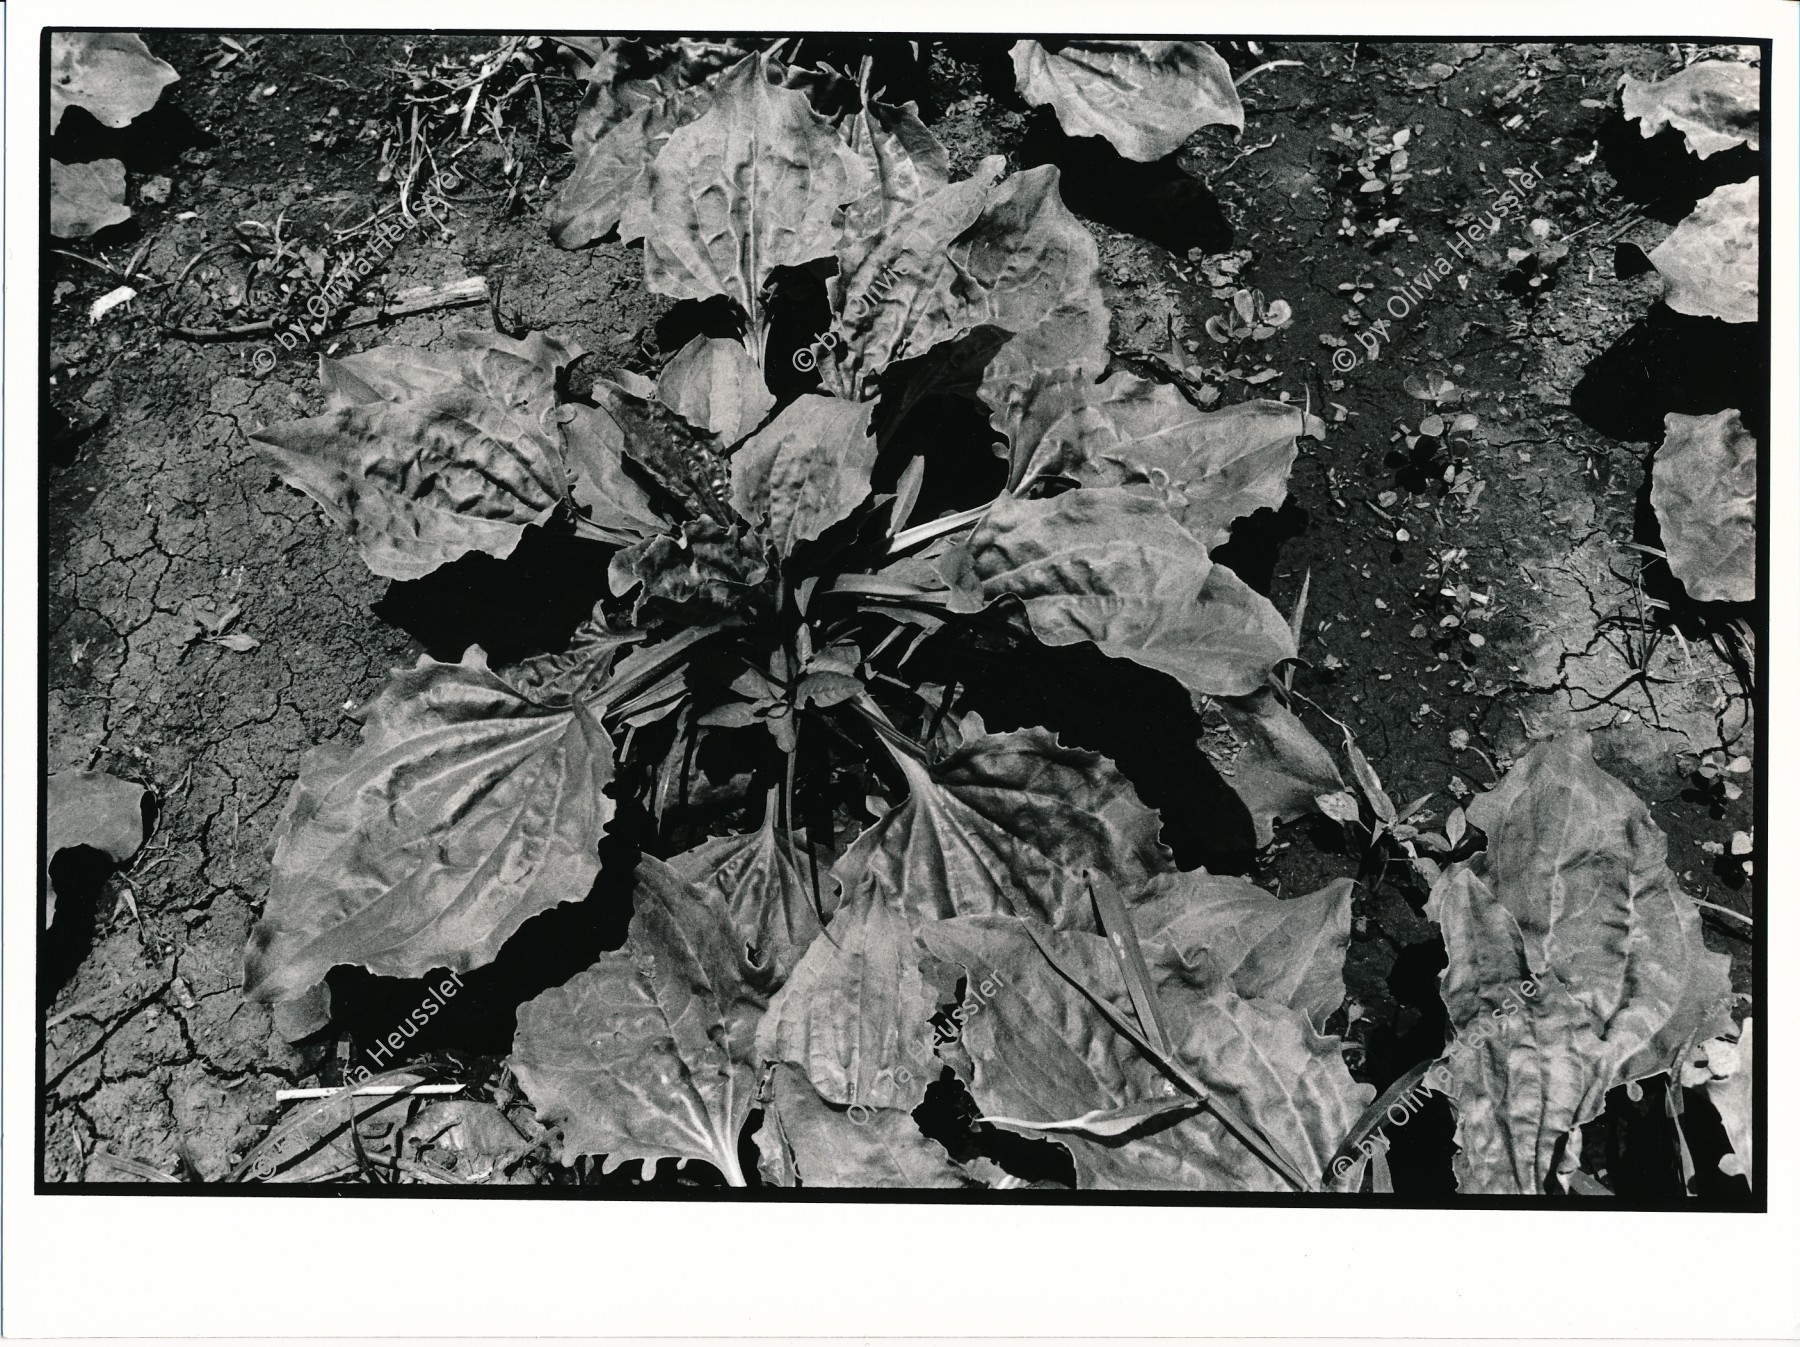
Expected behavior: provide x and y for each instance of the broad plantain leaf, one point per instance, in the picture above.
(651, 1052)
(1287, 950)
(806, 470)
(1709, 265)
(466, 809)
(770, 903)
(977, 253)
(753, 185)
(903, 163)
(1704, 489)
(1714, 104)
(1210, 468)
(1575, 964)
(1040, 1050)
(854, 1016)
(1008, 823)
(609, 188)
(1114, 567)
(806, 1140)
(615, 507)
(86, 198)
(1280, 769)
(111, 75)
(428, 455)
(1146, 98)
(90, 809)
(713, 383)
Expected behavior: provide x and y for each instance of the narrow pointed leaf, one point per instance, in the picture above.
(1146, 98)
(465, 810)
(1704, 489)
(650, 1053)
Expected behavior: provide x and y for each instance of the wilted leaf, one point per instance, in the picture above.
(980, 252)
(806, 470)
(86, 198)
(713, 383)
(1287, 950)
(854, 1016)
(465, 810)
(1110, 566)
(1703, 486)
(90, 809)
(1575, 964)
(1209, 468)
(753, 185)
(1146, 98)
(770, 903)
(1714, 104)
(428, 455)
(823, 1146)
(1710, 263)
(1280, 770)
(1008, 823)
(1042, 1051)
(476, 1135)
(111, 75)
(651, 1052)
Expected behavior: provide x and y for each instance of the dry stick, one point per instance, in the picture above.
(363, 1091)
(1251, 73)
(1701, 902)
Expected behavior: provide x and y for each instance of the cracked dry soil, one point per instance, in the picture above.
(1485, 584)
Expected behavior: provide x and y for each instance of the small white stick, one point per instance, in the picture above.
(326, 1091)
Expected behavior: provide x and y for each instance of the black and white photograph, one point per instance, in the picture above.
(1116, 623)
